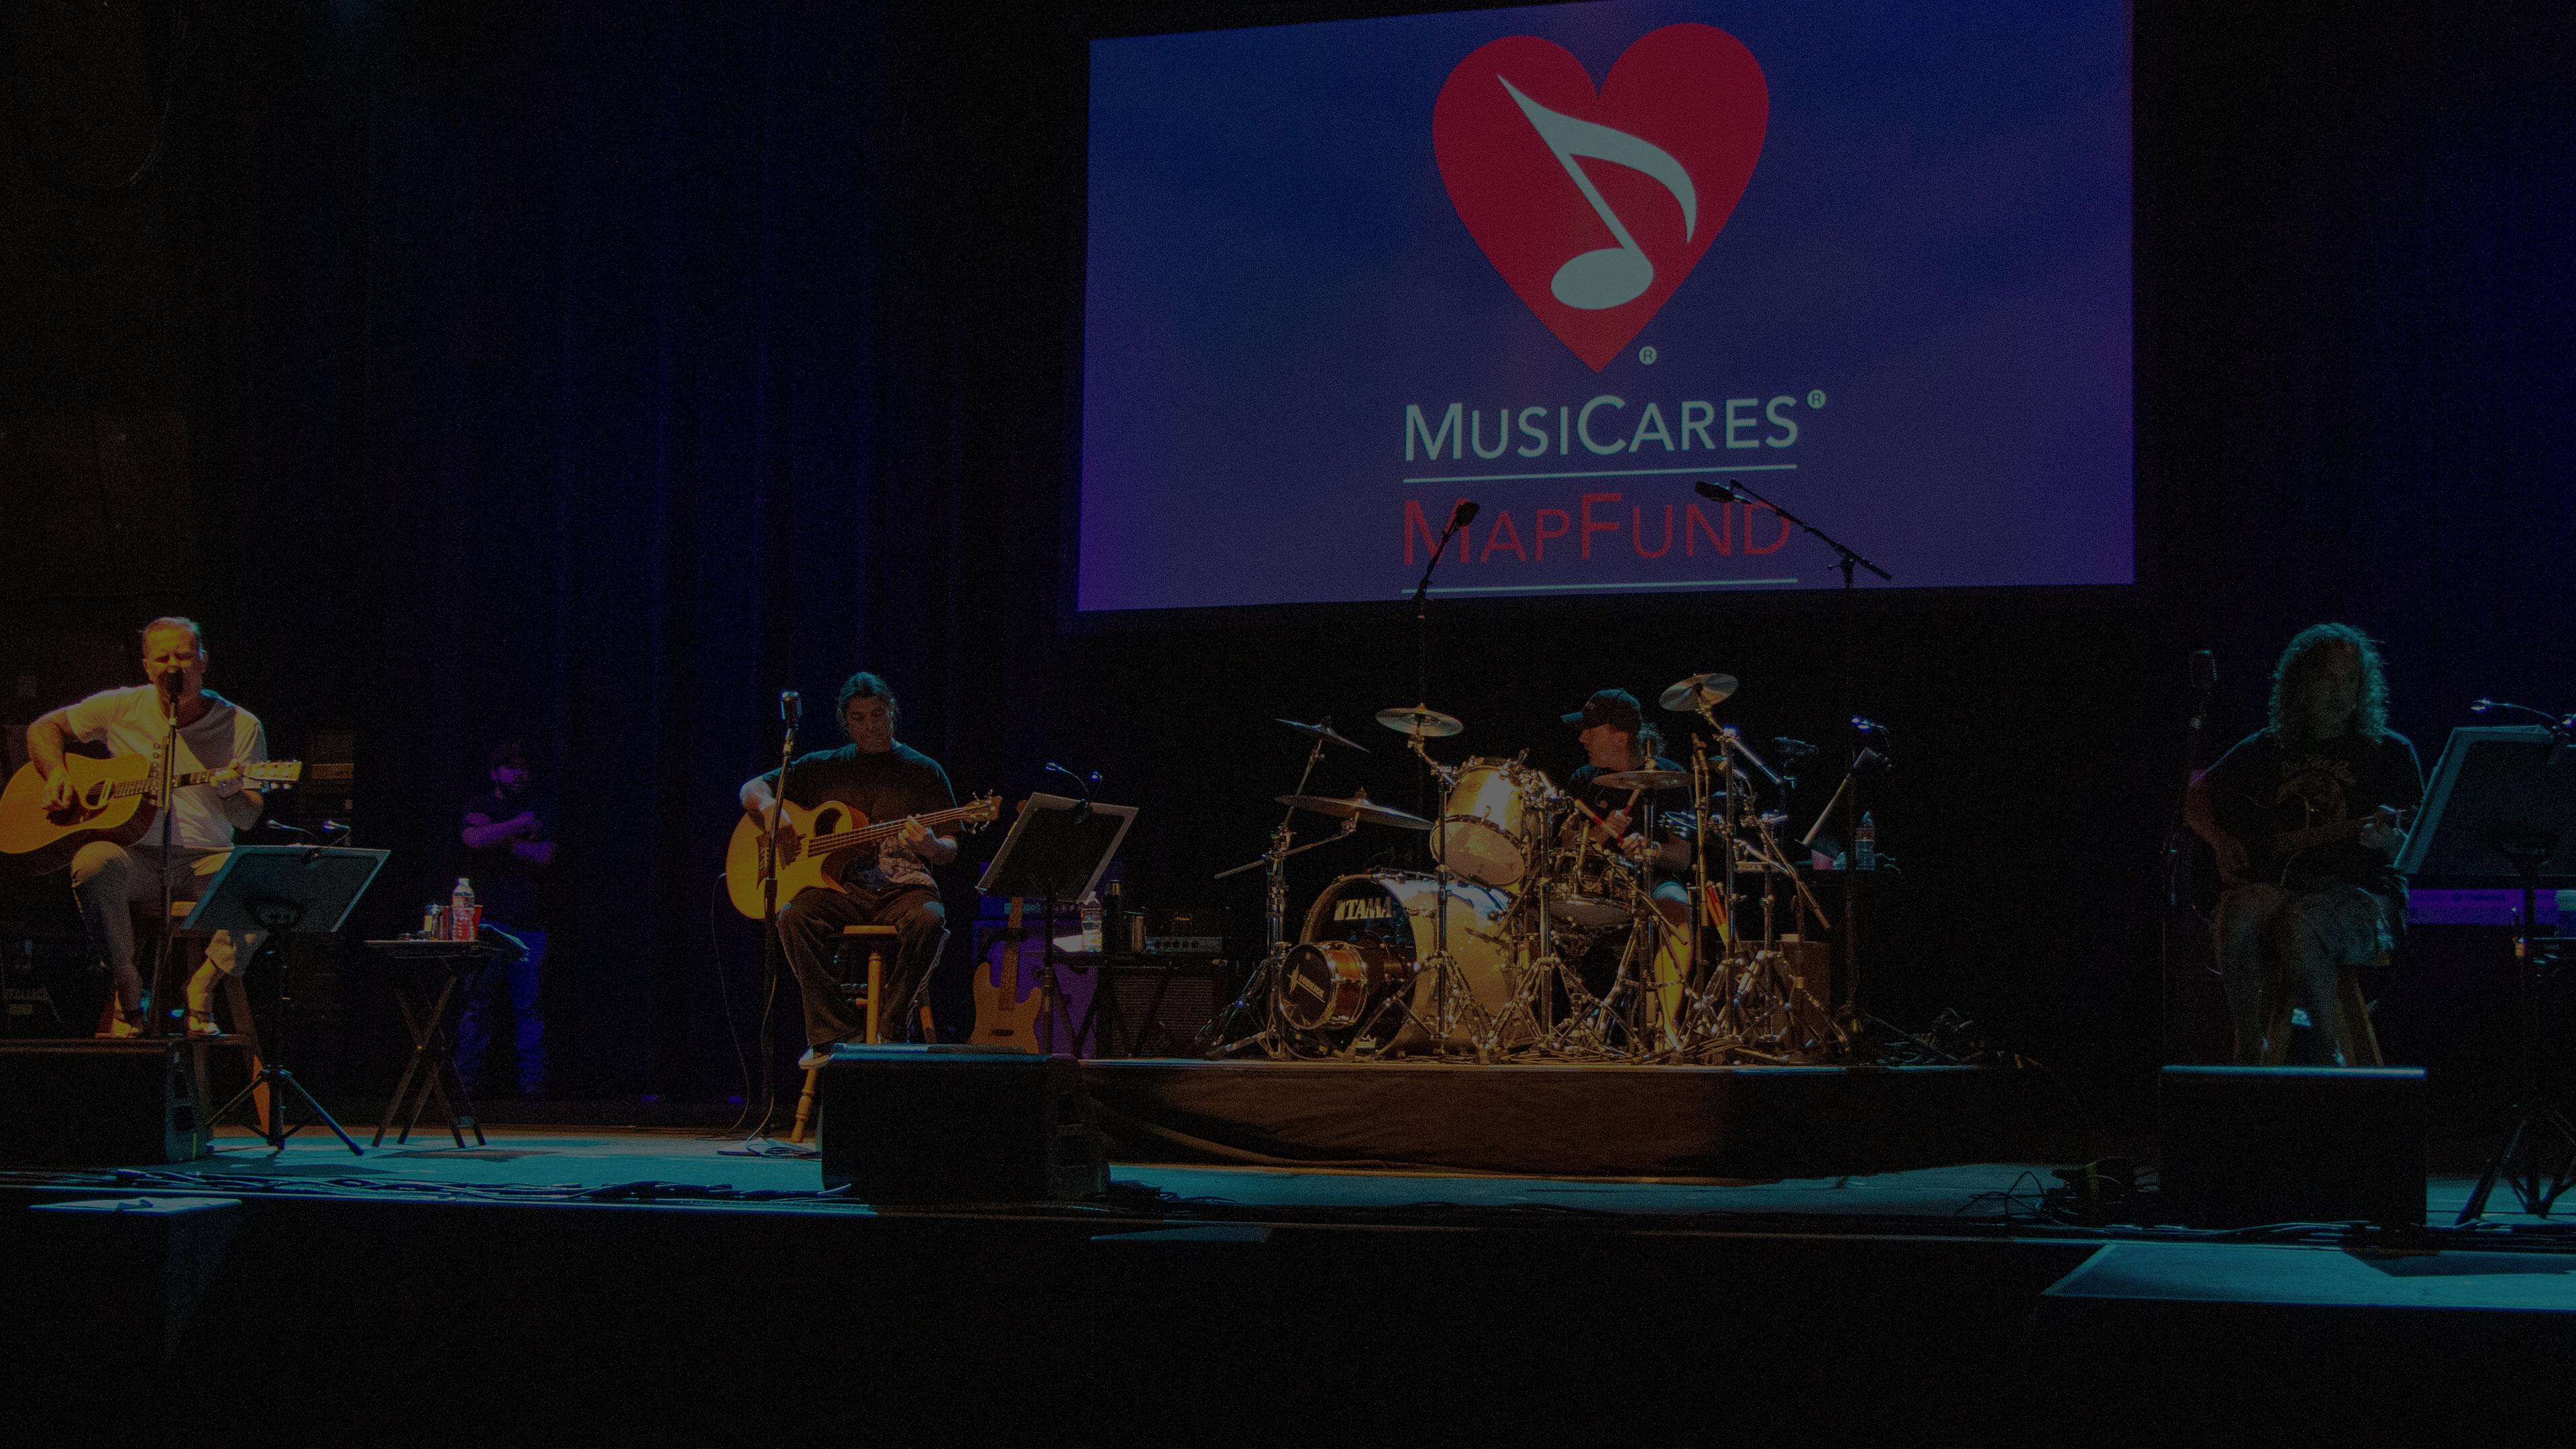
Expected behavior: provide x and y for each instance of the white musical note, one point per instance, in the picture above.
(1612, 276)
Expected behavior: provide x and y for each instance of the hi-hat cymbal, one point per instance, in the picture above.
(1325, 731)
(1697, 692)
(1644, 780)
(1421, 720)
(1359, 807)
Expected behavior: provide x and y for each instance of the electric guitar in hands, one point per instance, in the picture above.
(817, 841)
(111, 801)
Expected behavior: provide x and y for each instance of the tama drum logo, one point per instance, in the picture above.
(1594, 206)
(1364, 908)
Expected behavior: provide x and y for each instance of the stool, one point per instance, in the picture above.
(866, 996)
(244, 1033)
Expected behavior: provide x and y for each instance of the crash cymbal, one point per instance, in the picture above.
(1359, 807)
(1325, 731)
(1644, 780)
(1697, 692)
(1421, 720)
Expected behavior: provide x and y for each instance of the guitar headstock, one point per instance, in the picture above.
(981, 811)
(273, 774)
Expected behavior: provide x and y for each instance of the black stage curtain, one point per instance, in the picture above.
(588, 373)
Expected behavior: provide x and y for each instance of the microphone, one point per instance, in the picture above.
(791, 706)
(1464, 514)
(2481, 706)
(1865, 725)
(2204, 669)
(171, 682)
(1721, 490)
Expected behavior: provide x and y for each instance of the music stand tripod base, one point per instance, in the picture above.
(285, 890)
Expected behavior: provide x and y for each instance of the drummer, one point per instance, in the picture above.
(1616, 739)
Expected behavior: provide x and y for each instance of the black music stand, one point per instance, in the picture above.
(2501, 812)
(1056, 851)
(284, 890)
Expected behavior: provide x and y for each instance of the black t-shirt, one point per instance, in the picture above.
(504, 885)
(884, 786)
(2260, 789)
(1667, 808)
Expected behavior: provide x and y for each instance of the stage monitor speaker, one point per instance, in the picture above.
(924, 1125)
(1154, 1006)
(87, 1103)
(2243, 1146)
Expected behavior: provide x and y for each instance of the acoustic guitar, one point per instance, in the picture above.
(2275, 858)
(818, 841)
(111, 801)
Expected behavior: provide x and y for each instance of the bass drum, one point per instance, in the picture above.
(1370, 932)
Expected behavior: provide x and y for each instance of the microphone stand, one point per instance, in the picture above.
(1438, 843)
(1846, 560)
(155, 1018)
(791, 711)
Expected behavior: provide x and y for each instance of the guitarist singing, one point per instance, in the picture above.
(109, 880)
(2305, 817)
(887, 884)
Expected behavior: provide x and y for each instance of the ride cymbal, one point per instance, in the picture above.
(1697, 692)
(1359, 807)
(1325, 731)
(1421, 720)
(1644, 780)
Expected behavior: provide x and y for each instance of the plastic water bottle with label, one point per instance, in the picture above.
(1865, 844)
(462, 918)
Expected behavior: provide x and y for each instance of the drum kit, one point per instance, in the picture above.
(1538, 933)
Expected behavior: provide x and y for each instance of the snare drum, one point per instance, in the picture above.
(1489, 821)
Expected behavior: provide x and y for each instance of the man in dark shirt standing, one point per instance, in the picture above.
(888, 885)
(2327, 768)
(509, 839)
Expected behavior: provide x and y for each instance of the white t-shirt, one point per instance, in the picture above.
(128, 721)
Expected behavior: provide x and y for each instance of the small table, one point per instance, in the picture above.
(426, 976)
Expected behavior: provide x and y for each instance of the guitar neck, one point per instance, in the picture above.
(866, 833)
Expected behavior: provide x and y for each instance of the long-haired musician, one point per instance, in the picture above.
(888, 885)
(2303, 816)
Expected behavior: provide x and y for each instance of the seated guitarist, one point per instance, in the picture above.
(109, 880)
(884, 885)
(2328, 770)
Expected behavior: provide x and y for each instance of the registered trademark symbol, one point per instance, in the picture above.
(1816, 399)
(1646, 355)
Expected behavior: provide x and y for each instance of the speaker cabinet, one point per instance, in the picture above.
(2241, 1146)
(922, 1125)
(99, 1103)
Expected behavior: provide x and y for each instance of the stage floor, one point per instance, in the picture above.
(535, 1163)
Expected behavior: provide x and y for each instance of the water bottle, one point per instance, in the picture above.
(461, 917)
(1865, 844)
(1091, 923)
(1113, 916)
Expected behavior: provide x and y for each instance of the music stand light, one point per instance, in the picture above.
(285, 890)
(1056, 851)
(2501, 812)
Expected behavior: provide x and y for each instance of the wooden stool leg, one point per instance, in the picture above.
(805, 1105)
(2362, 1047)
(237, 996)
(876, 984)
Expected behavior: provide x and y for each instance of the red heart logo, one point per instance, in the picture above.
(1595, 207)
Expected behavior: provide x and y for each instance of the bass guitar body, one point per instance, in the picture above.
(747, 855)
(1004, 1017)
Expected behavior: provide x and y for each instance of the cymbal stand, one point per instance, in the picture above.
(1772, 1016)
(1442, 964)
(1266, 977)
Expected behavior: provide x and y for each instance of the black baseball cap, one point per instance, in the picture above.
(1615, 707)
